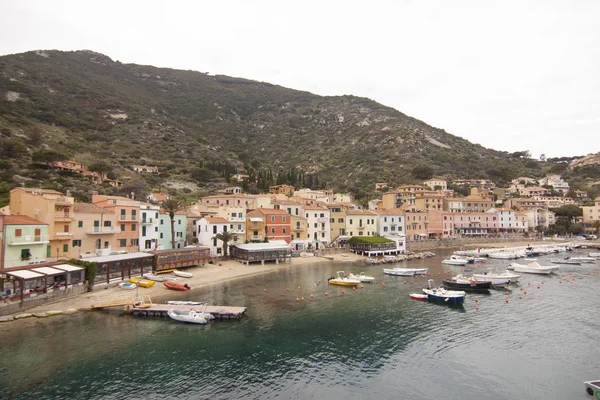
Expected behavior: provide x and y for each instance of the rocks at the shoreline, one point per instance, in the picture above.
(7, 318)
(401, 257)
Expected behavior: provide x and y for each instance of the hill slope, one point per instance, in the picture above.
(193, 126)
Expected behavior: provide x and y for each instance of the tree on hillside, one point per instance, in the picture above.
(171, 207)
(48, 157)
(422, 172)
(225, 237)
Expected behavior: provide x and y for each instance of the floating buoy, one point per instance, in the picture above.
(538, 286)
(287, 289)
(342, 291)
(507, 292)
(476, 300)
(528, 283)
(354, 288)
(524, 291)
(362, 286)
(520, 297)
(297, 299)
(382, 284)
(560, 281)
(265, 290)
(302, 298)
(506, 300)
(405, 282)
(326, 294)
(411, 281)
(476, 308)
(298, 287)
(311, 296)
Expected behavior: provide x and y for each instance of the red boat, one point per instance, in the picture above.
(176, 286)
(419, 297)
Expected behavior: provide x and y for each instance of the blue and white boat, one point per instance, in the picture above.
(445, 296)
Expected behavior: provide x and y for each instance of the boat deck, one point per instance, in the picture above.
(160, 310)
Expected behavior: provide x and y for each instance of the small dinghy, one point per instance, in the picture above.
(192, 316)
(418, 296)
(182, 274)
(155, 278)
(185, 303)
(127, 285)
(176, 286)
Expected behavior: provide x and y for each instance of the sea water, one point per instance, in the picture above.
(337, 343)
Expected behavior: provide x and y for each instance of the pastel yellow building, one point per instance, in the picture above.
(95, 228)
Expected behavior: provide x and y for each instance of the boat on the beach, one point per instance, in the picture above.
(182, 274)
(592, 389)
(192, 316)
(155, 278)
(176, 286)
(533, 268)
(455, 260)
(362, 277)
(405, 271)
(462, 283)
(445, 296)
(142, 282)
(593, 254)
(343, 280)
(583, 259)
(127, 285)
(498, 278)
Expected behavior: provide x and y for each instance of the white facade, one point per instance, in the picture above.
(207, 228)
(318, 225)
(557, 183)
(391, 225)
(149, 221)
(237, 221)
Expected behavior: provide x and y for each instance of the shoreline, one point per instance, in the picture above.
(210, 274)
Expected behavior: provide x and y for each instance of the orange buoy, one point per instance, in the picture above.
(354, 288)
(287, 289)
(298, 287)
(524, 291)
(506, 300)
(311, 296)
(265, 290)
(302, 298)
(538, 286)
(326, 294)
(405, 282)
(528, 283)
(297, 299)
(520, 297)
(476, 308)
(342, 291)
(476, 300)
(507, 292)
(560, 281)
(382, 284)
(362, 286)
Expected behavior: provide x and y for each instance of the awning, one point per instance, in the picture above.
(25, 274)
(255, 219)
(67, 267)
(48, 271)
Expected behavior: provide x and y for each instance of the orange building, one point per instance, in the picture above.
(127, 213)
(268, 223)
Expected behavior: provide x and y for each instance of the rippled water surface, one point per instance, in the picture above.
(373, 342)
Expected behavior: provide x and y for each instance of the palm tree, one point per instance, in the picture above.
(225, 237)
(172, 206)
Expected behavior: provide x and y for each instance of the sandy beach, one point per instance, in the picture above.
(208, 275)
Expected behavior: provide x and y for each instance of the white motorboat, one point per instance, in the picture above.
(192, 316)
(593, 254)
(592, 389)
(362, 277)
(182, 274)
(405, 271)
(564, 261)
(455, 260)
(446, 296)
(583, 259)
(503, 255)
(498, 278)
(476, 259)
(184, 303)
(534, 268)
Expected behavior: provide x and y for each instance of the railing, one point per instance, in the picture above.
(296, 228)
(102, 230)
(64, 215)
(256, 237)
(147, 221)
(237, 231)
(28, 240)
(237, 219)
(322, 219)
(62, 235)
(127, 218)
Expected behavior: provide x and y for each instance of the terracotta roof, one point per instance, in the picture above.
(217, 220)
(41, 191)
(160, 196)
(89, 208)
(315, 208)
(360, 212)
(21, 220)
(272, 211)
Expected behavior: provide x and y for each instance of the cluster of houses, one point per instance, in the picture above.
(42, 225)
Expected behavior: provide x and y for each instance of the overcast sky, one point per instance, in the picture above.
(510, 75)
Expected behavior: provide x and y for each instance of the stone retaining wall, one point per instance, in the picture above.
(15, 307)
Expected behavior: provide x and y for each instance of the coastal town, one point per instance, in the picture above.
(43, 231)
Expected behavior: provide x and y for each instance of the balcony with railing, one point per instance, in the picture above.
(62, 235)
(102, 230)
(64, 200)
(127, 218)
(297, 228)
(322, 220)
(27, 240)
(256, 237)
(238, 231)
(147, 221)
(64, 215)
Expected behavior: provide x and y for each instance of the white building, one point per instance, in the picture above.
(318, 225)
(557, 183)
(207, 228)
(391, 225)
(236, 216)
(149, 221)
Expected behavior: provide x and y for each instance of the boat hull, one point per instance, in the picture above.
(445, 296)
(592, 389)
(340, 282)
(404, 271)
(175, 286)
(467, 286)
(418, 296)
